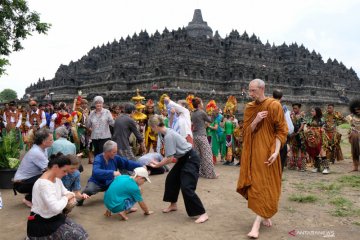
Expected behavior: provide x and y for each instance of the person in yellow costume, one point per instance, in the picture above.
(150, 135)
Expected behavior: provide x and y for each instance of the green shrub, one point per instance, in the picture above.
(9, 150)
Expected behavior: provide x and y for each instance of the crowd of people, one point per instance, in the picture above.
(127, 143)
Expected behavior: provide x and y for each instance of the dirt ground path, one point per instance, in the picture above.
(335, 210)
(229, 216)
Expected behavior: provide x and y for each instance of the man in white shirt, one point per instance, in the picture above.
(277, 94)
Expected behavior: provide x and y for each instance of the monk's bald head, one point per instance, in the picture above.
(258, 83)
(257, 90)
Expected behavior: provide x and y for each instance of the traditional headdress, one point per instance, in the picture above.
(161, 104)
(150, 103)
(189, 99)
(211, 106)
(78, 100)
(231, 105)
(62, 105)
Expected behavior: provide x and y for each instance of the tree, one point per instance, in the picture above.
(17, 22)
(7, 95)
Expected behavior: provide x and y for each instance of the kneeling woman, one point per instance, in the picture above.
(50, 200)
(185, 173)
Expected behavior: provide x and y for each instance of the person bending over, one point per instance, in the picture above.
(185, 173)
(124, 192)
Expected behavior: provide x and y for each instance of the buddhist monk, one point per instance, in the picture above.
(265, 131)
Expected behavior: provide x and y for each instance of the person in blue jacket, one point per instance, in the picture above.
(106, 167)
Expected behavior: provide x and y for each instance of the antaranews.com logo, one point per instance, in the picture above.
(322, 233)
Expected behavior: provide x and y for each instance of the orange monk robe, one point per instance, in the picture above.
(259, 183)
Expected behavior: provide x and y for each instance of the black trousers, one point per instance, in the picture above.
(26, 186)
(156, 171)
(184, 175)
(99, 145)
(283, 155)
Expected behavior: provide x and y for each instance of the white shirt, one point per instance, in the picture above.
(289, 121)
(184, 118)
(48, 198)
(33, 163)
(52, 122)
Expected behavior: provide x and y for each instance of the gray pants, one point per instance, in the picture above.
(91, 189)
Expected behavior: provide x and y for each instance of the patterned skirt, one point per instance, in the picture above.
(314, 141)
(68, 231)
(127, 153)
(202, 146)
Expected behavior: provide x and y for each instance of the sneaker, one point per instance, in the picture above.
(326, 171)
(315, 170)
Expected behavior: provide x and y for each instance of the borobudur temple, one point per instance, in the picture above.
(196, 60)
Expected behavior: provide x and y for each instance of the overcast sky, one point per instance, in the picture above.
(330, 27)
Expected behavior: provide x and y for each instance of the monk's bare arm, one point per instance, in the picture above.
(278, 145)
(275, 154)
(253, 125)
(259, 117)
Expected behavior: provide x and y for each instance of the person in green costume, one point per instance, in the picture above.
(229, 127)
(213, 128)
